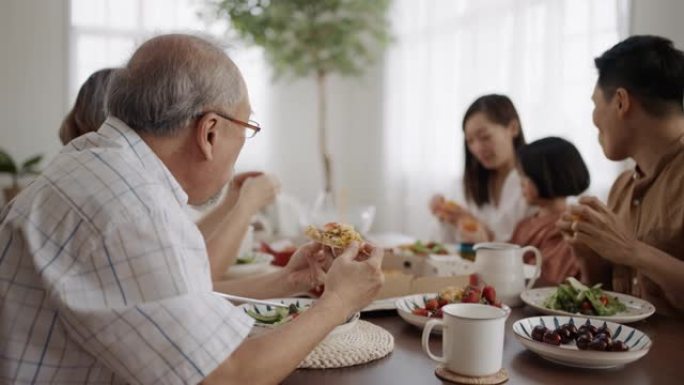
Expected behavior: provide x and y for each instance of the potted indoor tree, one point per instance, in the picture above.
(312, 38)
(17, 172)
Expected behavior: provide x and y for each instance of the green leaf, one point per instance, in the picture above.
(306, 37)
(31, 162)
(30, 165)
(7, 164)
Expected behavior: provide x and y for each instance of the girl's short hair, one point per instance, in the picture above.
(555, 167)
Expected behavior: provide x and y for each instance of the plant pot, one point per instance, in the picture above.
(11, 192)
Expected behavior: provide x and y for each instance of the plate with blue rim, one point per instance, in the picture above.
(568, 354)
(636, 308)
(406, 305)
(302, 304)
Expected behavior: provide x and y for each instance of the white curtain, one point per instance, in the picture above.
(447, 53)
(104, 33)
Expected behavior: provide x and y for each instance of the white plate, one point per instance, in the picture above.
(302, 303)
(638, 342)
(381, 304)
(405, 306)
(637, 309)
(259, 265)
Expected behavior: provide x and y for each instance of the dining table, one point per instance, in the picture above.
(408, 364)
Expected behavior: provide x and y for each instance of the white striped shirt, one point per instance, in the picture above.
(104, 278)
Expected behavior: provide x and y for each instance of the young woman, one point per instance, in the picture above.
(551, 169)
(494, 201)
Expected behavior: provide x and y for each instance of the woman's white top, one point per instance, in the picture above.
(501, 219)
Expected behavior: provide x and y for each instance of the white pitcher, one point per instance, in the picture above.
(501, 265)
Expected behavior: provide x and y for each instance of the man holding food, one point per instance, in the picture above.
(104, 277)
(635, 244)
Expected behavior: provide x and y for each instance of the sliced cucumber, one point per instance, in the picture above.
(270, 318)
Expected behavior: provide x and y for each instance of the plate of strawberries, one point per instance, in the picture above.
(417, 309)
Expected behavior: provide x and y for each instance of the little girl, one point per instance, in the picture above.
(551, 169)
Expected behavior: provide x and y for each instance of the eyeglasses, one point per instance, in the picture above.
(251, 127)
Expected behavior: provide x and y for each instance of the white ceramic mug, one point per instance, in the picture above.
(472, 338)
(501, 265)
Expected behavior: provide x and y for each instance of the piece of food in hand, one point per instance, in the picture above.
(469, 224)
(450, 205)
(336, 235)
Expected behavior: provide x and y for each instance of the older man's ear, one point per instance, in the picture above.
(205, 134)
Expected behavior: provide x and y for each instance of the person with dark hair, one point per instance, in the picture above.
(551, 169)
(493, 133)
(635, 243)
(88, 112)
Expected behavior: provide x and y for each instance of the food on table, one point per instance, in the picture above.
(575, 297)
(280, 257)
(245, 260)
(333, 234)
(587, 337)
(424, 249)
(276, 316)
(475, 292)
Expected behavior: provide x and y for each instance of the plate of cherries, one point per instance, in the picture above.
(582, 342)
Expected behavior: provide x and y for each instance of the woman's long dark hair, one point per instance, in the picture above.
(500, 110)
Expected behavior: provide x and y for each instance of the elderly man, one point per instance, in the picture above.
(635, 244)
(103, 276)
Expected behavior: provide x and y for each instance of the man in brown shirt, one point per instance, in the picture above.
(635, 244)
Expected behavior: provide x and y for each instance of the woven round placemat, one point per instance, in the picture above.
(447, 375)
(363, 344)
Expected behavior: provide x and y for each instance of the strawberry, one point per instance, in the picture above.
(432, 305)
(471, 295)
(420, 311)
(442, 302)
(489, 294)
(476, 280)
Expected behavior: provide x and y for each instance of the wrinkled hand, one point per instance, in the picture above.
(353, 280)
(257, 192)
(235, 185)
(307, 267)
(590, 224)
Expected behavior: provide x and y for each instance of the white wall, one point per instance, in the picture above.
(355, 126)
(33, 100)
(33, 70)
(658, 17)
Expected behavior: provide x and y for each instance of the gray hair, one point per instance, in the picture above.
(172, 79)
